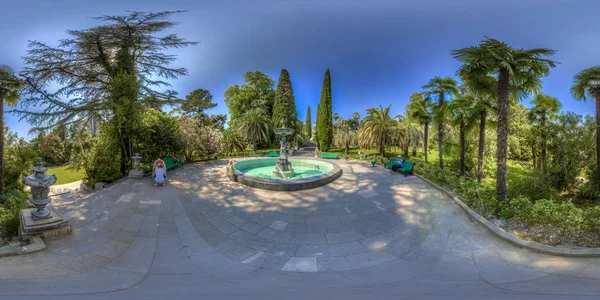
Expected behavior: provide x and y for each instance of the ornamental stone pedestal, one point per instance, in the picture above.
(136, 173)
(42, 220)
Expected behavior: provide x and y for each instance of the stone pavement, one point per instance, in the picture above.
(367, 235)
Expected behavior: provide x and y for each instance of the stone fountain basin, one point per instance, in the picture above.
(280, 184)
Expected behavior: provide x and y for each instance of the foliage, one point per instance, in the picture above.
(18, 161)
(518, 73)
(324, 122)
(284, 106)
(346, 134)
(99, 158)
(10, 93)
(256, 92)
(11, 204)
(87, 61)
(200, 141)
(255, 125)
(308, 124)
(563, 214)
(377, 129)
(232, 141)
(520, 208)
(159, 135)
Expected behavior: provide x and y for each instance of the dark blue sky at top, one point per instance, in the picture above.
(379, 51)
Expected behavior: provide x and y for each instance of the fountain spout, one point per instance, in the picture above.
(283, 167)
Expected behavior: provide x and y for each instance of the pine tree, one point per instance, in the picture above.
(308, 124)
(284, 106)
(324, 122)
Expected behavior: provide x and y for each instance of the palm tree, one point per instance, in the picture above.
(587, 85)
(10, 86)
(407, 133)
(483, 88)
(544, 108)
(419, 109)
(256, 126)
(377, 128)
(345, 135)
(356, 115)
(518, 68)
(336, 116)
(464, 116)
(440, 87)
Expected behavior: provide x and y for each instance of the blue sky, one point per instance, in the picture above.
(379, 51)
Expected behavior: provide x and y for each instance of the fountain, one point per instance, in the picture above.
(283, 167)
(277, 174)
(42, 220)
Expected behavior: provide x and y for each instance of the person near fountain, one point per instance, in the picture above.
(160, 175)
(229, 170)
(397, 165)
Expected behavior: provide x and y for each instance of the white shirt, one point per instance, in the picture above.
(160, 174)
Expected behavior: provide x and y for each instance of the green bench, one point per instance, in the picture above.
(407, 167)
(273, 154)
(170, 163)
(329, 155)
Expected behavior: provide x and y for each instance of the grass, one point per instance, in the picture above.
(66, 175)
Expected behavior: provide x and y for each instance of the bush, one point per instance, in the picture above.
(11, 204)
(591, 220)
(520, 209)
(562, 214)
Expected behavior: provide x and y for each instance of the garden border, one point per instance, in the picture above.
(531, 245)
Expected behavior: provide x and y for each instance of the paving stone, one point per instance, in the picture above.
(220, 266)
(332, 264)
(343, 237)
(196, 246)
(252, 228)
(309, 238)
(134, 224)
(117, 223)
(235, 250)
(316, 228)
(185, 228)
(296, 227)
(321, 220)
(112, 249)
(339, 227)
(222, 225)
(368, 259)
(263, 244)
(236, 221)
(85, 262)
(167, 229)
(343, 249)
(276, 235)
(125, 236)
(149, 227)
(171, 258)
(278, 225)
(137, 258)
(301, 264)
(267, 261)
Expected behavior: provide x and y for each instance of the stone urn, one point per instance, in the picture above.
(136, 173)
(42, 220)
(40, 184)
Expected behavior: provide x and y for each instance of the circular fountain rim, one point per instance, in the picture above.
(280, 184)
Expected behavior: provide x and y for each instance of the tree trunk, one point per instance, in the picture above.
(254, 146)
(347, 148)
(1, 141)
(544, 139)
(501, 172)
(381, 149)
(425, 140)
(441, 132)
(406, 148)
(462, 149)
(481, 149)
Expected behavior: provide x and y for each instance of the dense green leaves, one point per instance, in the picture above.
(325, 114)
(285, 105)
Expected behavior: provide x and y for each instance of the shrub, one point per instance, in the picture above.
(520, 209)
(591, 220)
(11, 204)
(562, 214)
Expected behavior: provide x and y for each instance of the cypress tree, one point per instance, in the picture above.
(284, 106)
(308, 123)
(324, 122)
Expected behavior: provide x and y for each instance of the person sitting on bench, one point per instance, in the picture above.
(397, 165)
(160, 175)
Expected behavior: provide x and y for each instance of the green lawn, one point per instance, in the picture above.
(66, 175)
